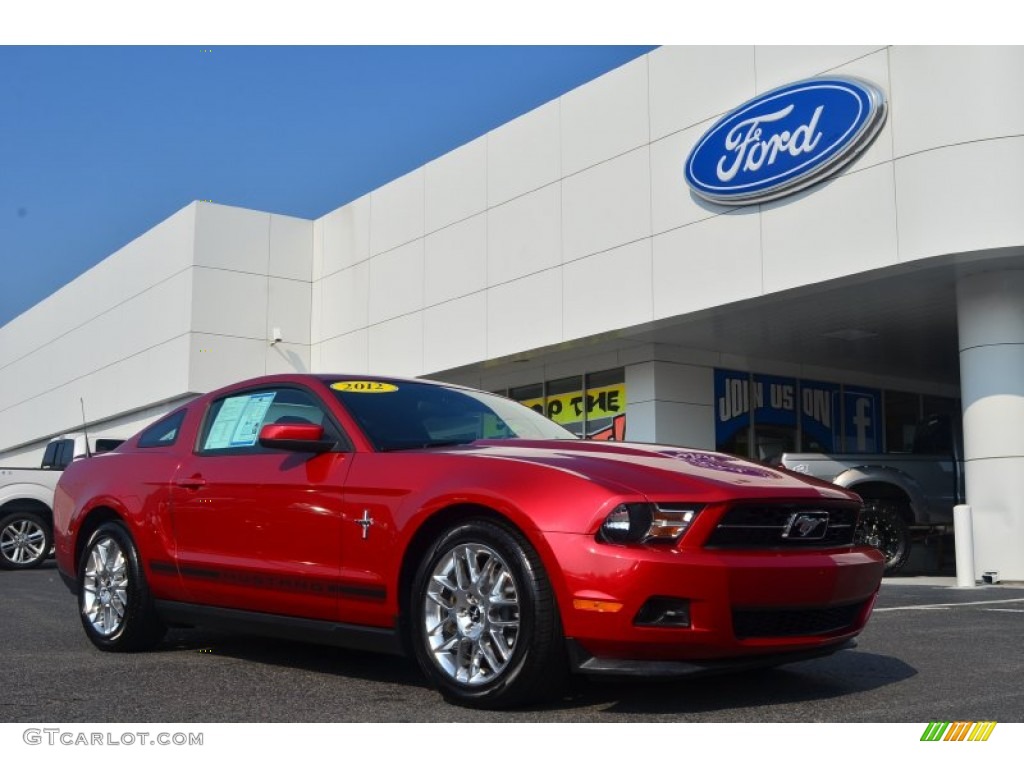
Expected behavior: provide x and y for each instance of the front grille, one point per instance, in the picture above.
(761, 526)
(779, 622)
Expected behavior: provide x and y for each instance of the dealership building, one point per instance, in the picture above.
(586, 259)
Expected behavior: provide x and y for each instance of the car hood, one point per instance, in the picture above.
(658, 470)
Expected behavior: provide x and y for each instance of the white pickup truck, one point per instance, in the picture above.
(901, 491)
(26, 502)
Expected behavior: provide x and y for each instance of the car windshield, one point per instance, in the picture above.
(402, 415)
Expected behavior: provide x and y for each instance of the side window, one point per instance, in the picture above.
(161, 434)
(50, 455)
(233, 423)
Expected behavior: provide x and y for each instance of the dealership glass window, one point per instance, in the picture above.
(775, 433)
(532, 396)
(732, 412)
(902, 413)
(760, 416)
(563, 403)
(606, 405)
(591, 406)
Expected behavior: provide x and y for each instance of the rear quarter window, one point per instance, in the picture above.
(163, 433)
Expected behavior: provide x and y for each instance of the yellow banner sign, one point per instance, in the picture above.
(569, 407)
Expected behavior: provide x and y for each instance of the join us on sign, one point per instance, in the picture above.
(785, 140)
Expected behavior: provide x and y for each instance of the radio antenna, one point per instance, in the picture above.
(85, 431)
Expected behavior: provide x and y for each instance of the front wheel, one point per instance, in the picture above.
(25, 540)
(114, 601)
(882, 526)
(484, 624)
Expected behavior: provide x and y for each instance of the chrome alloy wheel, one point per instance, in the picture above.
(471, 614)
(105, 587)
(22, 541)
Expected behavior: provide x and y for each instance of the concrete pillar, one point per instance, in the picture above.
(990, 312)
(670, 404)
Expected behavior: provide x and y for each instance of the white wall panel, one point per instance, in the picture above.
(524, 154)
(346, 301)
(216, 361)
(291, 247)
(395, 347)
(232, 238)
(672, 203)
(288, 308)
(455, 260)
(962, 198)
(525, 313)
(396, 212)
(712, 262)
(605, 118)
(949, 95)
(693, 84)
(229, 303)
(684, 424)
(838, 228)
(607, 205)
(607, 291)
(127, 329)
(287, 358)
(779, 65)
(318, 249)
(875, 68)
(455, 333)
(316, 312)
(524, 235)
(456, 185)
(161, 252)
(346, 236)
(345, 354)
(396, 282)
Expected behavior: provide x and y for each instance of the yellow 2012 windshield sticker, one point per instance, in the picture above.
(364, 387)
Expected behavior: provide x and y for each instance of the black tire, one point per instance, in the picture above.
(114, 602)
(494, 641)
(26, 539)
(883, 526)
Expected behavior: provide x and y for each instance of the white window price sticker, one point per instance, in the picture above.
(238, 421)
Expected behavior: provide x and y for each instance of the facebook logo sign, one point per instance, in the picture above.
(861, 417)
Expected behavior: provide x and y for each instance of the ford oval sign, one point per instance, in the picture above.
(785, 140)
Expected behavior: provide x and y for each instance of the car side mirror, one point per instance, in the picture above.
(302, 438)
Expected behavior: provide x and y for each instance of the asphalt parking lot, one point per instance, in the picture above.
(930, 652)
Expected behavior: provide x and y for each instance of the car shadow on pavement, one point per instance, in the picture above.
(309, 657)
(837, 676)
(841, 675)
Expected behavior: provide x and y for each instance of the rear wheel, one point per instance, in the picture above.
(115, 604)
(25, 540)
(882, 526)
(484, 624)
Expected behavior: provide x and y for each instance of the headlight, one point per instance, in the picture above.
(639, 522)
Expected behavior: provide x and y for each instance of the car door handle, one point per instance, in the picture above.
(191, 482)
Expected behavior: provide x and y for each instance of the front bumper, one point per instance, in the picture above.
(783, 603)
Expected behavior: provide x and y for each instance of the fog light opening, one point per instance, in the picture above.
(664, 612)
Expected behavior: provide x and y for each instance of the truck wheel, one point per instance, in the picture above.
(25, 540)
(882, 526)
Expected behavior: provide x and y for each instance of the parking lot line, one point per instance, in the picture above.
(935, 606)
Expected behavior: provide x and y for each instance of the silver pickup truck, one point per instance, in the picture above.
(901, 491)
(26, 502)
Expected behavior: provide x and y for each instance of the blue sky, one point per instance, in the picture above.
(99, 144)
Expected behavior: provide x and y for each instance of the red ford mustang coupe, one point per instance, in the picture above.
(460, 527)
